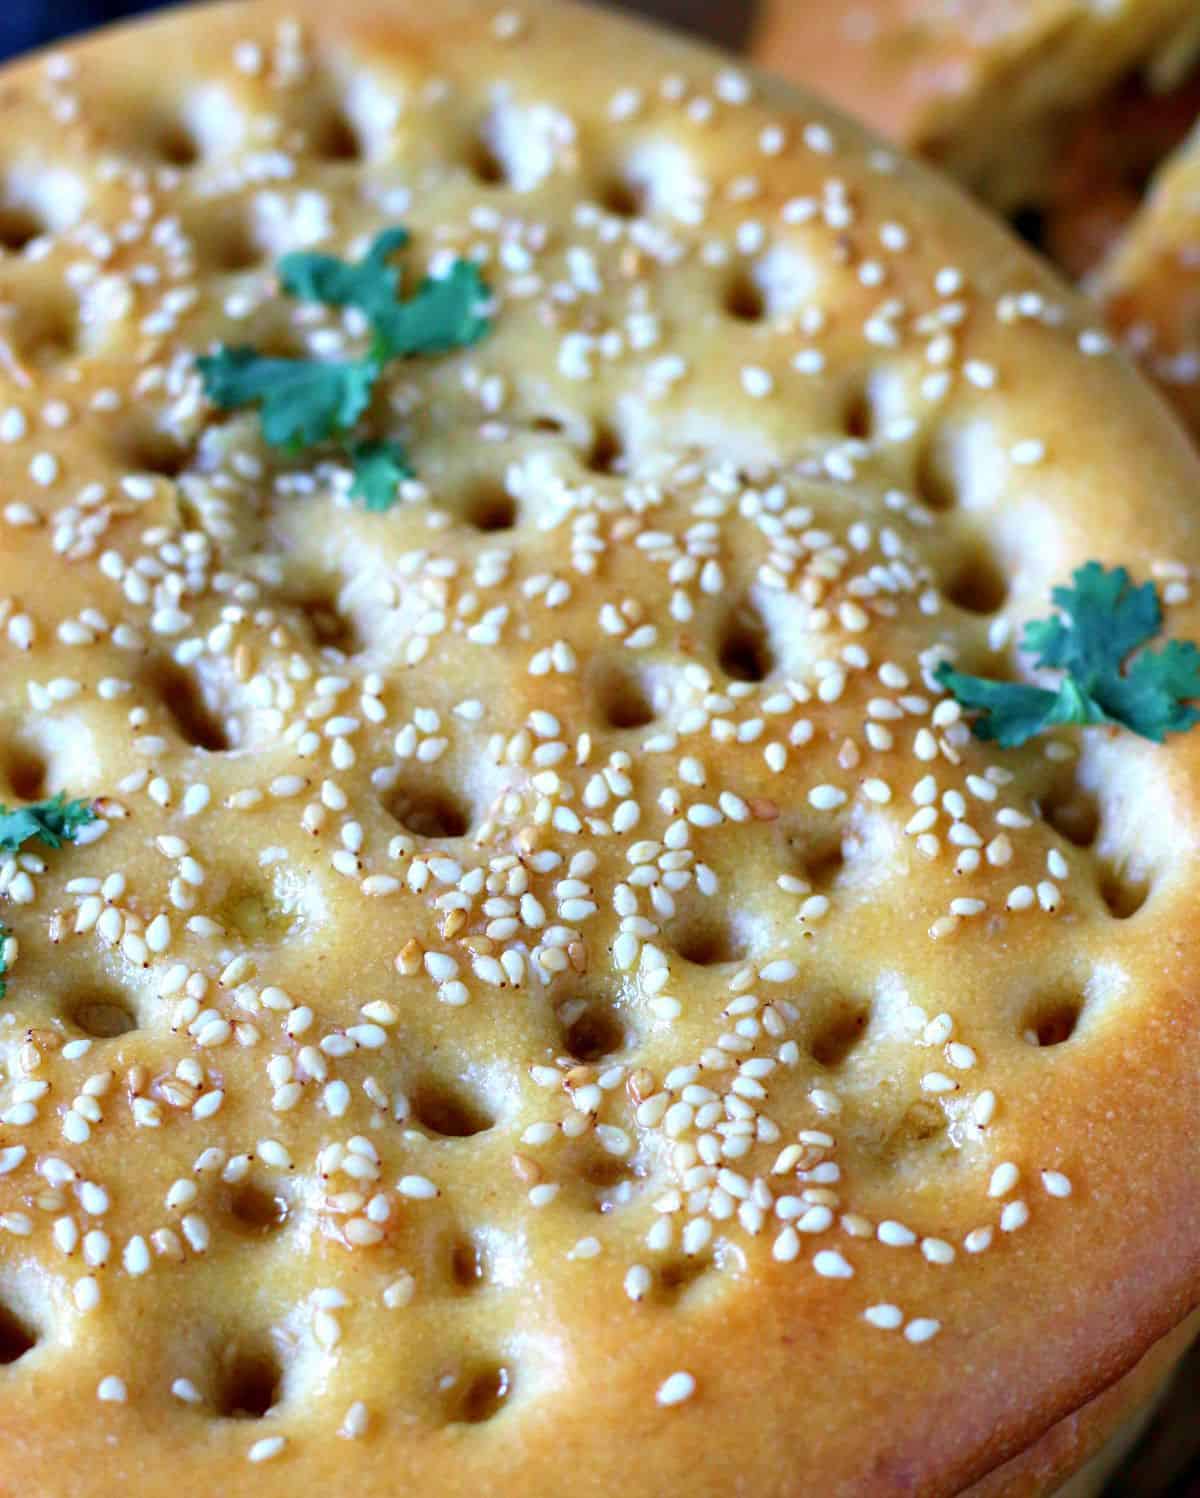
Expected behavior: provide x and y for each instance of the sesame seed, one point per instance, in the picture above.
(676, 1388)
(267, 1449)
(1014, 1215)
(1004, 1179)
(1056, 1184)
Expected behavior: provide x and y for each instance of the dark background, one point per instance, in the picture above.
(30, 23)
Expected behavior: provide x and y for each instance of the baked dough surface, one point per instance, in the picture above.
(549, 962)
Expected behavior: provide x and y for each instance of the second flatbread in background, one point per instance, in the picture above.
(1059, 113)
(1150, 285)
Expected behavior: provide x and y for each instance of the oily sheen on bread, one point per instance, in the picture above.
(554, 996)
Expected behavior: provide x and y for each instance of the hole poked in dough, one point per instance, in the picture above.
(592, 1029)
(922, 1130)
(316, 599)
(174, 143)
(773, 286)
(484, 163)
(744, 299)
(262, 914)
(937, 473)
(332, 135)
(18, 1334)
(468, 1265)
(621, 197)
(37, 199)
(256, 1210)
(816, 849)
(655, 177)
(39, 757)
(19, 227)
(978, 584)
(744, 650)
(103, 1015)
(706, 934)
(622, 695)
(518, 145)
(224, 238)
(679, 1278)
(839, 1032)
(1124, 888)
(607, 453)
(25, 770)
(478, 1394)
(858, 418)
(42, 329)
(490, 507)
(182, 694)
(145, 447)
(599, 1179)
(249, 1378)
(430, 810)
(449, 1110)
(1051, 1020)
(1072, 811)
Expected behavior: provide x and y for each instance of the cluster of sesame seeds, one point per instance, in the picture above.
(588, 784)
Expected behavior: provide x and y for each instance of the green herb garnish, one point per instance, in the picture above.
(5, 933)
(1103, 620)
(304, 402)
(53, 822)
(441, 316)
(369, 284)
(379, 468)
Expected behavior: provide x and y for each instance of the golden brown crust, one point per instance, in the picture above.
(767, 423)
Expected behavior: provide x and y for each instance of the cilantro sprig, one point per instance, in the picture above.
(306, 402)
(1102, 621)
(53, 822)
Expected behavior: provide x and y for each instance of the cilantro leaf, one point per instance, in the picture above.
(303, 402)
(444, 313)
(5, 933)
(1106, 619)
(53, 822)
(367, 284)
(379, 469)
(1151, 697)
(1102, 620)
